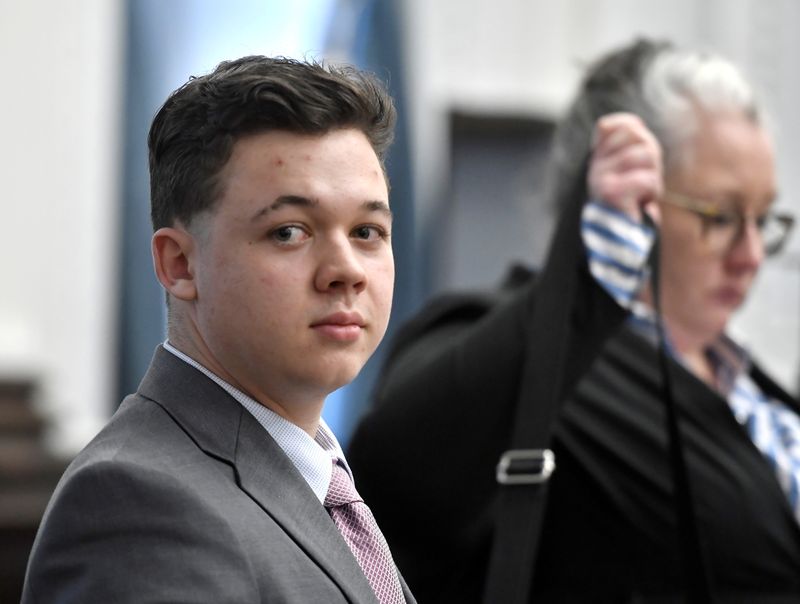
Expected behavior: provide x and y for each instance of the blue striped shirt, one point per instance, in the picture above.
(617, 248)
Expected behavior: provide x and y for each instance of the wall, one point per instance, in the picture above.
(59, 119)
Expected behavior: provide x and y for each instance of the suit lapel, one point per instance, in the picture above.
(271, 479)
(406, 590)
(224, 429)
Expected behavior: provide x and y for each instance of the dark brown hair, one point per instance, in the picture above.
(193, 134)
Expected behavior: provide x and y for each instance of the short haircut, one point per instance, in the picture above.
(667, 87)
(679, 86)
(193, 134)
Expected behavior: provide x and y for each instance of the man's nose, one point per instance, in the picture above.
(340, 266)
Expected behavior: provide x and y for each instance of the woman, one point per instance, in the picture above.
(609, 529)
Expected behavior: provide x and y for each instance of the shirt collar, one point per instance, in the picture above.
(311, 456)
(728, 358)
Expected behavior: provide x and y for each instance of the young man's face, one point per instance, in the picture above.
(294, 268)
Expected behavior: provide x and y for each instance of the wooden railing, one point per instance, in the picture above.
(28, 475)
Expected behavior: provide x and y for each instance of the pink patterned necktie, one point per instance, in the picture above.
(358, 527)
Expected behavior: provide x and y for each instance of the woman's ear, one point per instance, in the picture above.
(172, 259)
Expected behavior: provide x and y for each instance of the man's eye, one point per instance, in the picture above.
(288, 233)
(370, 232)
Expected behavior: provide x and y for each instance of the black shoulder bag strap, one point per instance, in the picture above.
(696, 573)
(523, 470)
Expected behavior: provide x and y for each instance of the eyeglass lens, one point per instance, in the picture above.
(724, 231)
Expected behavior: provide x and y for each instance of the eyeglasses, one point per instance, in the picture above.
(722, 228)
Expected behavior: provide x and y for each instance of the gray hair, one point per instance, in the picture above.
(665, 86)
(680, 86)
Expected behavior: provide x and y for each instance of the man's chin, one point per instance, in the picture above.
(340, 380)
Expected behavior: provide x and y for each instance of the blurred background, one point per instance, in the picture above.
(479, 85)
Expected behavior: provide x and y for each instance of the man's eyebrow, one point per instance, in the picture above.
(305, 202)
(378, 206)
(286, 200)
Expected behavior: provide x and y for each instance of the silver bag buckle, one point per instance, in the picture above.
(525, 466)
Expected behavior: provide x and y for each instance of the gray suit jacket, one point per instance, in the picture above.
(184, 497)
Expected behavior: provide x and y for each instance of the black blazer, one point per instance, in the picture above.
(443, 413)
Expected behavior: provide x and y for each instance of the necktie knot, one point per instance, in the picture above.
(341, 491)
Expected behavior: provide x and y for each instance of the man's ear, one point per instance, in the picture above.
(173, 250)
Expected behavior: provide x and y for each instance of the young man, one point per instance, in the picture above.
(218, 481)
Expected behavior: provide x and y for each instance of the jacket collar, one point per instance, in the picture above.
(223, 429)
